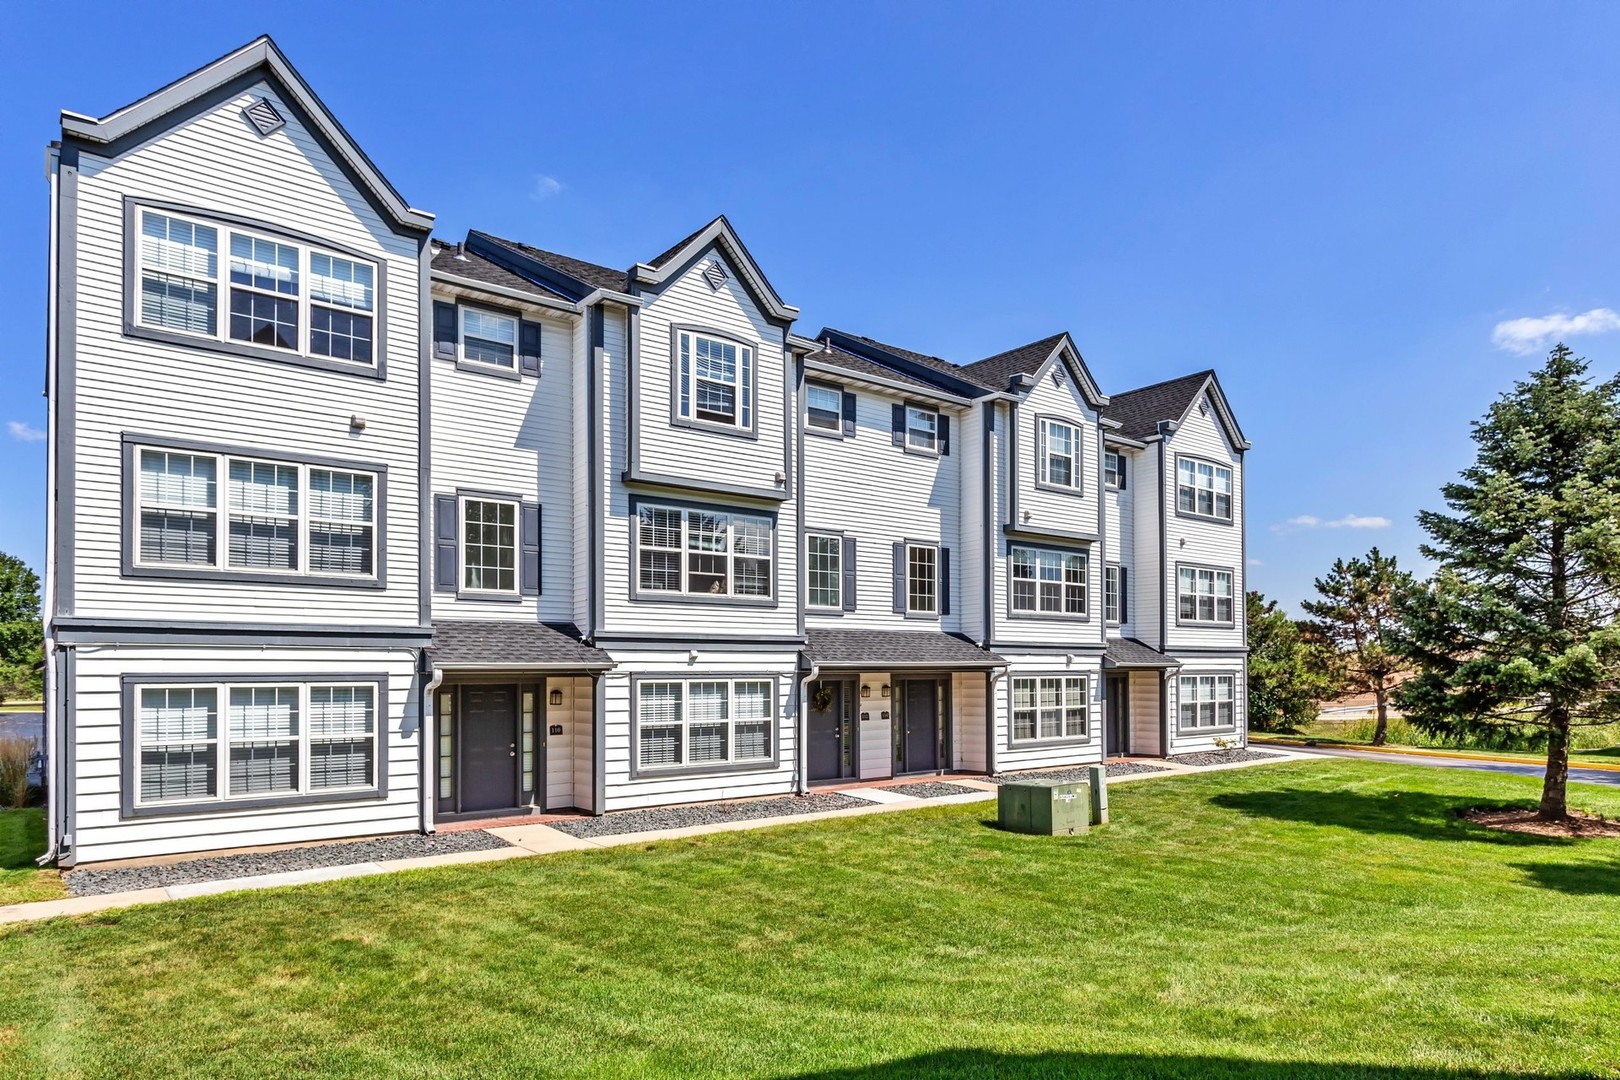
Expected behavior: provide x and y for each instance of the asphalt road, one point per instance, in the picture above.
(1585, 776)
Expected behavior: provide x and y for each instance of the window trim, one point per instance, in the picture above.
(130, 686)
(922, 451)
(1121, 479)
(773, 721)
(221, 341)
(1077, 456)
(737, 430)
(463, 497)
(646, 596)
(1221, 673)
(1014, 742)
(483, 367)
(837, 430)
(837, 607)
(1206, 623)
(1191, 515)
(1020, 613)
(1122, 600)
(935, 547)
(129, 539)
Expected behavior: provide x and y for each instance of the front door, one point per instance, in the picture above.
(825, 753)
(919, 741)
(489, 771)
(1118, 711)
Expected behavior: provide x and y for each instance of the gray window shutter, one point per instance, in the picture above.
(849, 414)
(849, 573)
(1124, 591)
(444, 330)
(944, 581)
(529, 348)
(445, 529)
(899, 579)
(529, 550)
(898, 425)
(1122, 470)
(944, 435)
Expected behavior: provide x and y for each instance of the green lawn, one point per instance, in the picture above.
(22, 840)
(1326, 918)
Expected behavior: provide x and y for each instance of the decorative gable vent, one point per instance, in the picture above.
(1057, 376)
(1203, 407)
(264, 117)
(714, 274)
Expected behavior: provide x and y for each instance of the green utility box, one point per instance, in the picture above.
(1045, 807)
(1099, 794)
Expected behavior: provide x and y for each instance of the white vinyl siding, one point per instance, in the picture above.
(1204, 595)
(703, 553)
(1206, 702)
(1047, 708)
(489, 545)
(1203, 489)
(1059, 463)
(701, 723)
(1049, 582)
(823, 567)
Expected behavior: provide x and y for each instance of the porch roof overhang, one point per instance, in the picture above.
(887, 650)
(489, 645)
(1130, 653)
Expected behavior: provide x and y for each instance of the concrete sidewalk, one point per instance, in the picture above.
(529, 841)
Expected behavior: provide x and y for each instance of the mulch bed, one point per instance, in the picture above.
(1220, 757)
(1579, 826)
(680, 817)
(933, 789)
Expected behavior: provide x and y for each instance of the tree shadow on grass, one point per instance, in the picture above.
(989, 1063)
(1577, 879)
(1416, 814)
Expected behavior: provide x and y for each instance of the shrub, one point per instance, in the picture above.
(16, 756)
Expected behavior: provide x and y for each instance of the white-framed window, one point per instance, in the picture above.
(1114, 470)
(703, 722)
(703, 552)
(922, 429)
(1059, 453)
(227, 741)
(824, 407)
(716, 378)
(280, 294)
(1203, 489)
(279, 517)
(922, 579)
(489, 545)
(1050, 707)
(1203, 594)
(1116, 602)
(1206, 702)
(488, 337)
(1049, 582)
(823, 567)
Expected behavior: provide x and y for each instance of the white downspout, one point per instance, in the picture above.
(429, 747)
(990, 741)
(53, 692)
(802, 772)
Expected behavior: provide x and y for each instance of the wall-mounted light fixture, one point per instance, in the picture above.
(556, 695)
(357, 422)
(866, 691)
(885, 690)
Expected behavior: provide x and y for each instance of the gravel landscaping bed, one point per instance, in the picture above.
(932, 789)
(221, 867)
(681, 817)
(1220, 757)
(1115, 768)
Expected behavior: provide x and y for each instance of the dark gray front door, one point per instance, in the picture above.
(825, 753)
(488, 747)
(1118, 711)
(920, 739)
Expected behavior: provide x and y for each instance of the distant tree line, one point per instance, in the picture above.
(22, 637)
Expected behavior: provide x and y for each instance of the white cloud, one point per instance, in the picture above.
(545, 187)
(1305, 521)
(1256, 562)
(1349, 521)
(24, 432)
(1533, 335)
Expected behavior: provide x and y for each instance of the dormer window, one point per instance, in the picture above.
(716, 380)
(1059, 454)
(488, 337)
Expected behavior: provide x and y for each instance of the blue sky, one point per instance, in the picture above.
(1336, 206)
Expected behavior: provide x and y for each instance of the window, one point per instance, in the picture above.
(703, 723)
(1203, 595)
(280, 517)
(281, 294)
(703, 553)
(488, 337)
(922, 429)
(1116, 606)
(1059, 454)
(1114, 470)
(1049, 582)
(824, 407)
(1050, 707)
(716, 380)
(823, 560)
(489, 545)
(278, 740)
(1207, 702)
(1203, 489)
(922, 579)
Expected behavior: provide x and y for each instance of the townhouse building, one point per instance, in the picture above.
(357, 529)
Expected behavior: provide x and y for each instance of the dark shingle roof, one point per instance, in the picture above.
(996, 371)
(860, 365)
(675, 249)
(1130, 653)
(470, 644)
(455, 259)
(1139, 411)
(592, 274)
(883, 649)
(944, 367)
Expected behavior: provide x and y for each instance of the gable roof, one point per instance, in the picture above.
(1003, 370)
(720, 233)
(199, 90)
(456, 261)
(574, 278)
(1139, 412)
(931, 370)
(830, 356)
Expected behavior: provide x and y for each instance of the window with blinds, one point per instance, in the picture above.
(704, 722)
(1206, 702)
(703, 553)
(1050, 707)
(716, 380)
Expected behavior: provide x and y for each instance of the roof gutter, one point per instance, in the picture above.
(887, 384)
(505, 293)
